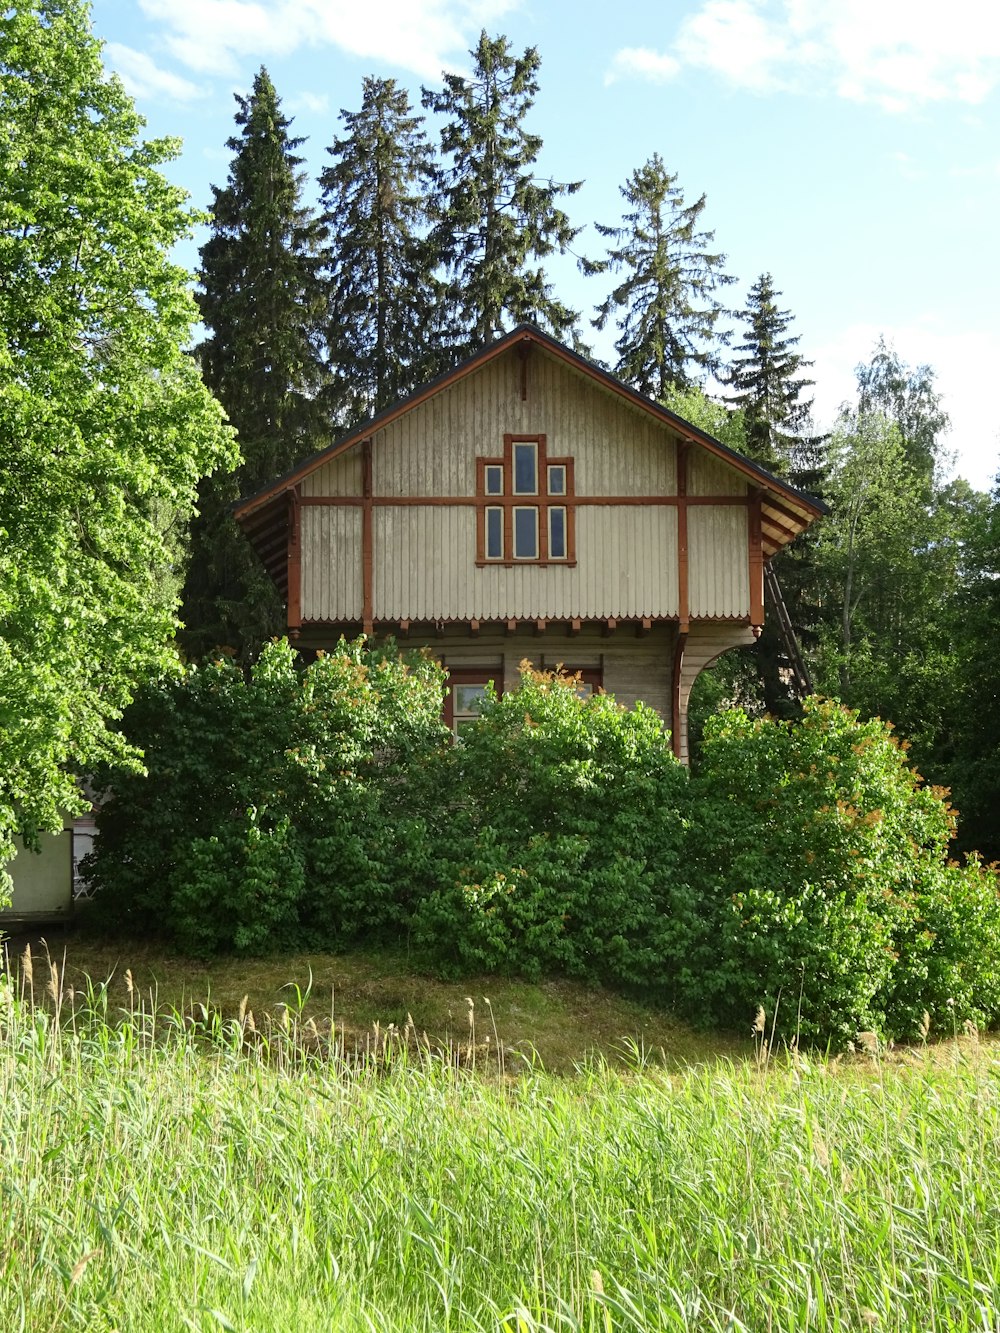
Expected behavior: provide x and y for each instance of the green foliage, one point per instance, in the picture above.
(803, 867)
(378, 282)
(262, 306)
(821, 861)
(106, 426)
(493, 219)
(768, 383)
(273, 800)
(669, 311)
(565, 841)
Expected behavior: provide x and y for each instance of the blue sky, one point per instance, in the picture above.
(848, 147)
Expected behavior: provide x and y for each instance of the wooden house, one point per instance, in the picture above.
(529, 505)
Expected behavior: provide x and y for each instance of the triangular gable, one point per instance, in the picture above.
(785, 511)
(267, 517)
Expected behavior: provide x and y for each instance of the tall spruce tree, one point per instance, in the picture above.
(769, 384)
(261, 305)
(378, 270)
(664, 307)
(494, 218)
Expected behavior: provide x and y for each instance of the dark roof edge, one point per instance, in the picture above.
(532, 333)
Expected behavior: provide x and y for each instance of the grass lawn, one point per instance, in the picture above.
(557, 1023)
(163, 1172)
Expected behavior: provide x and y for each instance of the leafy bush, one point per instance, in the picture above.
(803, 867)
(270, 805)
(564, 840)
(821, 865)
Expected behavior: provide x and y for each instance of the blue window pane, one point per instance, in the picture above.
(494, 534)
(557, 534)
(526, 534)
(494, 480)
(525, 469)
(557, 479)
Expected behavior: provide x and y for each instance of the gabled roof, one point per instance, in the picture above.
(785, 511)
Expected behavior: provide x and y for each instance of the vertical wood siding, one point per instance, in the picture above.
(341, 476)
(718, 561)
(424, 568)
(432, 450)
(424, 556)
(331, 563)
(708, 475)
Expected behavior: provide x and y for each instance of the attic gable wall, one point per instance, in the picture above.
(423, 554)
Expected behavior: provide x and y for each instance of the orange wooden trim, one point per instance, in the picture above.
(683, 605)
(294, 604)
(756, 563)
(473, 627)
(644, 627)
(430, 501)
(516, 564)
(404, 628)
(610, 625)
(688, 433)
(511, 626)
(575, 625)
(675, 690)
(367, 526)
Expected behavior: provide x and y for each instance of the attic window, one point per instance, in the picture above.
(512, 532)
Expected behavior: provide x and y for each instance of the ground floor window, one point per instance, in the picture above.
(465, 694)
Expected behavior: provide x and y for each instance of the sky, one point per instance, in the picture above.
(851, 148)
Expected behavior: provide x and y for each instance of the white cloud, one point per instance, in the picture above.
(422, 36)
(964, 364)
(142, 77)
(895, 53)
(305, 101)
(644, 62)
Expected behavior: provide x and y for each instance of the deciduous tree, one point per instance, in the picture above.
(105, 424)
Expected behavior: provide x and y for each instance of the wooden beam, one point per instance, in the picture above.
(683, 605)
(610, 625)
(524, 351)
(675, 691)
(404, 629)
(643, 628)
(294, 604)
(575, 625)
(473, 627)
(511, 626)
(755, 557)
(367, 611)
(540, 626)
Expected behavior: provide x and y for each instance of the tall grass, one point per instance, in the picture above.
(173, 1171)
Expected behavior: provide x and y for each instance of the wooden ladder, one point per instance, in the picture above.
(799, 681)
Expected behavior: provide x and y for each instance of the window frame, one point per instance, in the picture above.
(510, 500)
(467, 676)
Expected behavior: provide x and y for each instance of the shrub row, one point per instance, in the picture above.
(804, 866)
